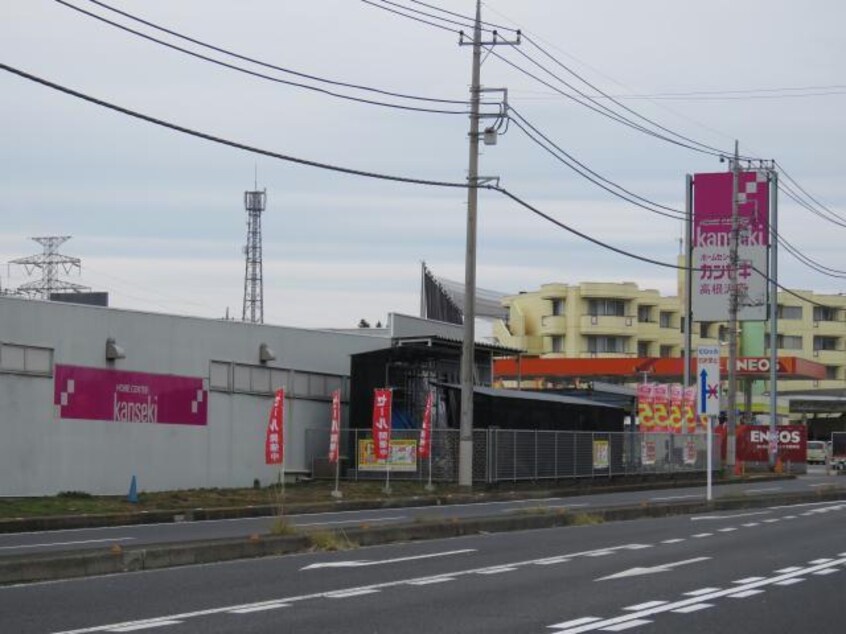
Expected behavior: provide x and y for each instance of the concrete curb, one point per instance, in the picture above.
(52, 523)
(29, 568)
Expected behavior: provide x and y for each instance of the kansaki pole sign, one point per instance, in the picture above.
(712, 228)
(381, 423)
(335, 432)
(274, 444)
(425, 446)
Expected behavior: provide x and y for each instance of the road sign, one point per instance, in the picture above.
(708, 380)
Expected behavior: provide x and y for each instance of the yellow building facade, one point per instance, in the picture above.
(603, 319)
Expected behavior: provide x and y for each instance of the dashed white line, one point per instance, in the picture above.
(260, 608)
(136, 627)
(426, 582)
(827, 571)
(789, 569)
(677, 540)
(575, 622)
(355, 592)
(645, 606)
(701, 591)
(745, 593)
(76, 543)
(626, 626)
(701, 535)
(789, 582)
(751, 524)
(730, 529)
(748, 580)
(693, 608)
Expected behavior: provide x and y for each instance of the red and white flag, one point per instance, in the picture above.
(381, 423)
(274, 445)
(425, 445)
(335, 433)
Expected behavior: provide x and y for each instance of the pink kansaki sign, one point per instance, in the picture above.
(129, 397)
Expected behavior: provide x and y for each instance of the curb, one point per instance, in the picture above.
(52, 523)
(28, 568)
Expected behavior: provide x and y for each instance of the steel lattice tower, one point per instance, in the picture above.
(49, 262)
(253, 311)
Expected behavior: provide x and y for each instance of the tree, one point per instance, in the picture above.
(363, 323)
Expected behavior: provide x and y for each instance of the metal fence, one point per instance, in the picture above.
(507, 455)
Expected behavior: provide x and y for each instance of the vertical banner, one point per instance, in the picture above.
(712, 226)
(381, 423)
(689, 409)
(335, 432)
(274, 443)
(676, 401)
(425, 446)
(645, 415)
(660, 406)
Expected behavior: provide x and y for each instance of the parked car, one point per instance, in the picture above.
(817, 451)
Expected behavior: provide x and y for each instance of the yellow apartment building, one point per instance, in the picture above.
(611, 320)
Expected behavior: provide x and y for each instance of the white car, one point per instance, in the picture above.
(817, 451)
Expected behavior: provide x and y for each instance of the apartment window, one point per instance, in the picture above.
(606, 344)
(704, 329)
(558, 306)
(644, 314)
(832, 372)
(666, 351)
(825, 313)
(643, 348)
(557, 343)
(26, 359)
(606, 307)
(825, 343)
(666, 319)
(785, 342)
(789, 312)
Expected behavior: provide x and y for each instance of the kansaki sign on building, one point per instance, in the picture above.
(713, 279)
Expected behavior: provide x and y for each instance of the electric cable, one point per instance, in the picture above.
(262, 75)
(258, 62)
(649, 205)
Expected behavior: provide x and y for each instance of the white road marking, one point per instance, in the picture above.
(745, 593)
(576, 622)
(645, 606)
(143, 625)
(767, 490)
(625, 626)
(701, 591)
(633, 572)
(677, 540)
(693, 608)
(727, 517)
(376, 587)
(730, 529)
(783, 571)
(748, 580)
(496, 570)
(772, 520)
(789, 582)
(260, 608)
(701, 535)
(76, 543)
(698, 597)
(379, 562)
(824, 560)
(426, 582)
(676, 497)
(751, 524)
(827, 571)
(552, 560)
(355, 592)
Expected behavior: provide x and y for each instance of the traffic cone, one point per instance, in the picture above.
(779, 467)
(132, 498)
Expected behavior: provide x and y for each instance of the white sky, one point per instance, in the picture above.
(157, 217)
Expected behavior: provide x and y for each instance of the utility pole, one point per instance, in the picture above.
(734, 301)
(468, 349)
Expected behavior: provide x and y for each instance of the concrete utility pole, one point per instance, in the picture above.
(773, 183)
(734, 301)
(468, 350)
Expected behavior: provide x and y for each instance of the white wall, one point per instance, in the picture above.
(42, 454)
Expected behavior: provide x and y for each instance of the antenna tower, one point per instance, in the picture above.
(49, 262)
(253, 311)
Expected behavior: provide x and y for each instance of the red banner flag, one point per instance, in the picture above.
(381, 423)
(274, 446)
(689, 409)
(676, 402)
(661, 406)
(645, 413)
(425, 445)
(335, 433)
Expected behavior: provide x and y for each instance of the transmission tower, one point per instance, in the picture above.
(49, 262)
(254, 202)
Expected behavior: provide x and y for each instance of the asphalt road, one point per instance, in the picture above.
(147, 534)
(778, 569)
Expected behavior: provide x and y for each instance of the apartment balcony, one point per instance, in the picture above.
(606, 355)
(828, 328)
(828, 357)
(648, 330)
(608, 325)
(553, 324)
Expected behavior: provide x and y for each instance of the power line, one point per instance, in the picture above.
(465, 17)
(411, 17)
(809, 196)
(252, 60)
(592, 176)
(259, 75)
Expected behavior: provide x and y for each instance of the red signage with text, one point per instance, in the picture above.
(753, 443)
(425, 446)
(274, 443)
(381, 423)
(335, 432)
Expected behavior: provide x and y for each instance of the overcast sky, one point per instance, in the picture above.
(157, 217)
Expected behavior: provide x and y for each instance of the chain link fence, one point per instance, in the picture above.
(508, 455)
